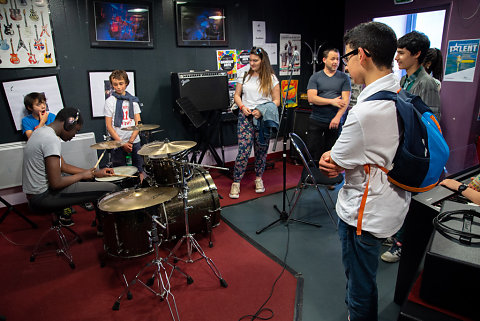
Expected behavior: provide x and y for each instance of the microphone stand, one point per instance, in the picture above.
(283, 119)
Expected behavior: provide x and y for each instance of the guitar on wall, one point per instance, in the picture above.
(31, 57)
(13, 56)
(48, 56)
(21, 44)
(8, 30)
(37, 44)
(33, 14)
(3, 44)
(15, 13)
(28, 31)
(3, 1)
(44, 27)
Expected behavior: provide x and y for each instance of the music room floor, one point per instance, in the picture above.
(314, 252)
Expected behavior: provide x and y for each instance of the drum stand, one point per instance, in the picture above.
(189, 239)
(160, 274)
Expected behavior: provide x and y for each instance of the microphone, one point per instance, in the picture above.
(292, 60)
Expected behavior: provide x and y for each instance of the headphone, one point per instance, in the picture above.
(71, 122)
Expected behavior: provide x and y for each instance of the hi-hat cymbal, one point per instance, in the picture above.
(165, 148)
(109, 144)
(135, 199)
(141, 127)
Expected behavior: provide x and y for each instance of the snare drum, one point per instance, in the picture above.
(205, 207)
(123, 182)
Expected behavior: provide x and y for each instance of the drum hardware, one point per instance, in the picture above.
(163, 288)
(191, 243)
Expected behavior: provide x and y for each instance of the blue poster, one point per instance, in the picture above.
(461, 60)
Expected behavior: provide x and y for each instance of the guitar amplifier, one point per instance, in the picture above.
(451, 274)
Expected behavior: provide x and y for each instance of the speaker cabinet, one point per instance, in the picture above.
(207, 90)
(451, 274)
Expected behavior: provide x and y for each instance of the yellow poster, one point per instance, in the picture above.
(292, 93)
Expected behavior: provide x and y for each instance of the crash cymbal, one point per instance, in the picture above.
(165, 148)
(109, 144)
(136, 198)
(141, 127)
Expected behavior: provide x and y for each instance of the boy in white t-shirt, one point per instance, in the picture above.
(370, 136)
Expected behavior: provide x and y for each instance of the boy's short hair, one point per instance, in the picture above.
(119, 74)
(414, 42)
(327, 51)
(30, 99)
(378, 39)
(68, 112)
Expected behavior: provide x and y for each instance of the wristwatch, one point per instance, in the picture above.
(461, 188)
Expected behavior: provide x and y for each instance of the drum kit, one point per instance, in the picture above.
(181, 200)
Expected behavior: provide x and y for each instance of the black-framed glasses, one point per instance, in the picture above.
(345, 58)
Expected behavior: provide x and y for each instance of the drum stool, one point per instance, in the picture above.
(62, 243)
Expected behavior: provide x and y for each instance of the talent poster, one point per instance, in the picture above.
(292, 93)
(289, 43)
(26, 35)
(227, 61)
(461, 60)
(243, 58)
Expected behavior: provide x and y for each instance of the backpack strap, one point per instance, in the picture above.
(366, 168)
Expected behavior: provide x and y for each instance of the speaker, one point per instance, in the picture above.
(451, 274)
(207, 90)
(300, 127)
(70, 122)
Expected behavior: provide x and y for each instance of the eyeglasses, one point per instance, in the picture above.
(257, 51)
(345, 58)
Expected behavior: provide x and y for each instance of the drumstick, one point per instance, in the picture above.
(98, 162)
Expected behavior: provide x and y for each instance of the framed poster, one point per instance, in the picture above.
(101, 89)
(121, 23)
(15, 91)
(200, 24)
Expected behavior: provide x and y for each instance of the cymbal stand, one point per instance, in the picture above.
(160, 274)
(191, 243)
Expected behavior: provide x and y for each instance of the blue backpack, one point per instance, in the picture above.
(423, 152)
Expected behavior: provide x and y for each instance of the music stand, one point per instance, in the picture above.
(189, 109)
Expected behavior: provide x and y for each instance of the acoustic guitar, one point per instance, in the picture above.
(48, 56)
(8, 30)
(37, 44)
(13, 56)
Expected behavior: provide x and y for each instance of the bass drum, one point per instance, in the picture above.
(204, 212)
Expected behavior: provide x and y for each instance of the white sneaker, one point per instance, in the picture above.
(235, 190)
(393, 254)
(259, 188)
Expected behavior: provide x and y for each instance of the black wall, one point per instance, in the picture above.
(318, 20)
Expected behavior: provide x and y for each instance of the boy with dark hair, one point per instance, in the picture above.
(42, 180)
(122, 110)
(38, 116)
(370, 135)
(411, 52)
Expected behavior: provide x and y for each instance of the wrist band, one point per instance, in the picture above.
(241, 107)
(36, 127)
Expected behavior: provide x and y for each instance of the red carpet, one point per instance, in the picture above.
(272, 180)
(48, 289)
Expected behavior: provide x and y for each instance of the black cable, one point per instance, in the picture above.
(447, 231)
(261, 308)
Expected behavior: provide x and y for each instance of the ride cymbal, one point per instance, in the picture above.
(165, 148)
(141, 127)
(137, 198)
(109, 144)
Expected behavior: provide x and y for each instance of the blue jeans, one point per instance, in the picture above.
(118, 157)
(360, 260)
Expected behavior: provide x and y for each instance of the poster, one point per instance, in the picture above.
(26, 35)
(292, 93)
(461, 60)
(227, 61)
(258, 34)
(243, 59)
(289, 43)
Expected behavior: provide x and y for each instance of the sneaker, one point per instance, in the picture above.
(259, 188)
(389, 241)
(235, 190)
(99, 231)
(88, 206)
(393, 254)
(66, 217)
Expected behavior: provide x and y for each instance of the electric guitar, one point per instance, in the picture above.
(23, 2)
(48, 56)
(28, 30)
(33, 14)
(31, 57)
(21, 44)
(8, 30)
(3, 44)
(37, 41)
(13, 56)
(15, 13)
(40, 3)
(44, 27)
(3, 1)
